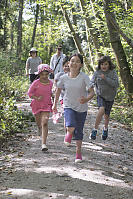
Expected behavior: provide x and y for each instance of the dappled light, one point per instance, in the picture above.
(106, 170)
(27, 193)
(87, 47)
(92, 175)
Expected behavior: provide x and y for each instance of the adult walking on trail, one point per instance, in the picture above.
(56, 62)
(40, 92)
(105, 80)
(75, 101)
(32, 63)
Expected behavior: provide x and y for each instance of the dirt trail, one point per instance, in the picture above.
(106, 172)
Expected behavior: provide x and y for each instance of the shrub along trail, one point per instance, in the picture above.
(106, 172)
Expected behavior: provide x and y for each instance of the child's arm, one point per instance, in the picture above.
(27, 68)
(112, 80)
(93, 79)
(31, 92)
(89, 97)
(36, 98)
(57, 94)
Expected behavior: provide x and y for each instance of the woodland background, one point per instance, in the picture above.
(91, 27)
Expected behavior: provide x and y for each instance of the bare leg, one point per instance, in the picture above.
(78, 146)
(68, 136)
(99, 116)
(38, 120)
(70, 130)
(106, 121)
(44, 124)
(78, 151)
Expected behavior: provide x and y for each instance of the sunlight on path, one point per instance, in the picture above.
(28, 193)
(83, 174)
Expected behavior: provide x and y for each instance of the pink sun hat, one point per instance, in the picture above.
(43, 67)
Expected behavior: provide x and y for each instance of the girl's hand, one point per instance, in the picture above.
(37, 98)
(40, 98)
(83, 100)
(102, 76)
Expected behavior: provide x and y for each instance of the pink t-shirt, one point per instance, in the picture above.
(39, 89)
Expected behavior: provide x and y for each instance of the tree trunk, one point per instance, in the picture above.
(125, 72)
(5, 26)
(12, 33)
(19, 37)
(128, 4)
(75, 38)
(116, 26)
(35, 25)
(93, 32)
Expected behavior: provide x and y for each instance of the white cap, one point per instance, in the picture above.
(33, 50)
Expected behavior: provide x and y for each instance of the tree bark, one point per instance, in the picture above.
(124, 68)
(116, 26)
(5, 26)
(19, 37)
(35, 25)
(93, 32)
(76, 38)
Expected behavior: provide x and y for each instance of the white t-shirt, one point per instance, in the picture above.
(75, 88)
(53, 62)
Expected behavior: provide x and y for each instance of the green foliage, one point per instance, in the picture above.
(11, 118)
(9, 64)
(52, 29)
(122, 110)
(12, 88)
(123, 114)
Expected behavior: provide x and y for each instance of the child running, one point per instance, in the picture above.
(58, 75)
(76, 85)
(40, 92)
(105, 80)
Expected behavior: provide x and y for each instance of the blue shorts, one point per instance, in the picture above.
(75, 119)
(104, 103)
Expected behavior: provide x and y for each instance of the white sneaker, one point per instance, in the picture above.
(44, 147)
(78, 160)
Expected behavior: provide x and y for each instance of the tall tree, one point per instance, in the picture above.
(35, 25)
(1, 24)
(115, 40)
(75, 37)
(116, 26)
(19, 33)
(5, 25)
(95, 35)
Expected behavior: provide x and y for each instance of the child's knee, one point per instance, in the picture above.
(70, 129)
(44, 121)
(44, 124)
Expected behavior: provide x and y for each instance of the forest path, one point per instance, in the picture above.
(105, 173)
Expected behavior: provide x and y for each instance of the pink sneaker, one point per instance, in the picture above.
(78, 158)
(67, 139)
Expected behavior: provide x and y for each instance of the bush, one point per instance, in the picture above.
(12, 88)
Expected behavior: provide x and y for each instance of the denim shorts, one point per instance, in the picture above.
(104, 103)
(75, 119)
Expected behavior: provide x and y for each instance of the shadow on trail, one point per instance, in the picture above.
(105, 173)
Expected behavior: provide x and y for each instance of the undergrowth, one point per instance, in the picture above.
(12, 88)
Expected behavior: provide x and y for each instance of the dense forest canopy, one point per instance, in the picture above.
(91, 27)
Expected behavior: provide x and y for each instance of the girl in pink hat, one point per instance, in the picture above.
(40, 92)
